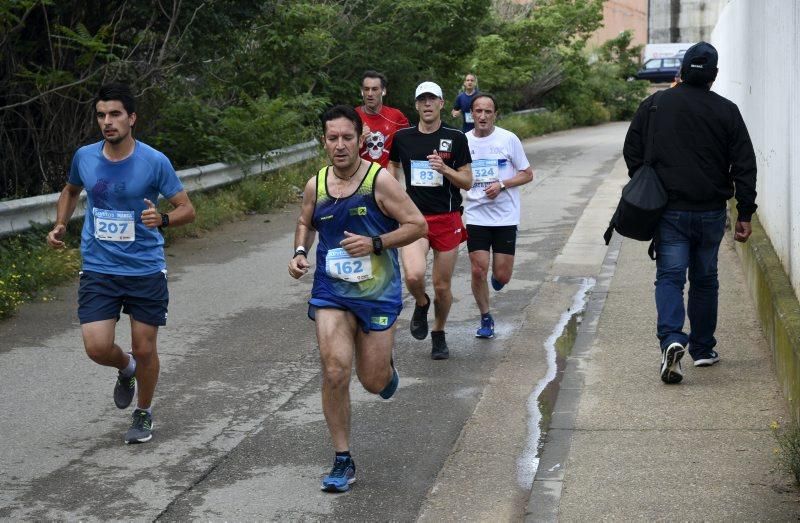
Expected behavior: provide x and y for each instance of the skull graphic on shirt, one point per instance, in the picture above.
(375, 144)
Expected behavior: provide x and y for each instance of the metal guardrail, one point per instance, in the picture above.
(17, 215)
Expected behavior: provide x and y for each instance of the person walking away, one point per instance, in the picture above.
(703, 156)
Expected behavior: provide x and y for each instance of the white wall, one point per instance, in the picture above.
(759, 69)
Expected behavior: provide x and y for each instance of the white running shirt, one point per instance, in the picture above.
(497, 156)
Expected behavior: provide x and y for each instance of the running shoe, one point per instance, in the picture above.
(707, 359)
(496, 285)
(671, 371)
(343, 474)
(391, 388)
(439, 350)
(124, 390)
(141, 429)
(419, 320)
(487, 328)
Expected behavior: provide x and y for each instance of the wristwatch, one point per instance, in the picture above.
(164, 220)
(377, 245)
(300, 251)
(502, 185)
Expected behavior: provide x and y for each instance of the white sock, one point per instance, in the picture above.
(130, 370)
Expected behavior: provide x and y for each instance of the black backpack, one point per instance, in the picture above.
(643, 198)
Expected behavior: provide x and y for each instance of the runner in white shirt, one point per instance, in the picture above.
(491, 206)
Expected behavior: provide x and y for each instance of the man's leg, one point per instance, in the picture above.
(144, 338)
(335, 336)
(671, 264)
(502, 267)
(414, 257)
(374, 358)
(415, 260)
(444, 263)
(709, 228)
(479, 260)
(98, 341)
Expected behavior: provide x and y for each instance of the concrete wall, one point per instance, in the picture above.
(759, 46)
(684, 20)
(619, 15)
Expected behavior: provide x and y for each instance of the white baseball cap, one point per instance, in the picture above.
(429, 87)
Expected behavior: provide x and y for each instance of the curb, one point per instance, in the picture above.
(777, 306)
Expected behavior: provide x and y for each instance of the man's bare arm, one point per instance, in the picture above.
(67, 201)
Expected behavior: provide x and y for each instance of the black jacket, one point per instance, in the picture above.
(702, 150)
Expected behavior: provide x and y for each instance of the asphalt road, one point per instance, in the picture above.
(239, 431)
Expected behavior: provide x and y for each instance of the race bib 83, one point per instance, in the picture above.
(423, 176)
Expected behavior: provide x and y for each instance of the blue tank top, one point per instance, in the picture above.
(371, 283)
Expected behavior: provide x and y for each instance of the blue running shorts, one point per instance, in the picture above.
(368, 319)
(143, 298)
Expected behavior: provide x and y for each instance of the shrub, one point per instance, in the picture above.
(788, 451)
(28, 265)
(536, 124)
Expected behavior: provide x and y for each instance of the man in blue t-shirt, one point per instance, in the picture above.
(463, 104)
(122, 248)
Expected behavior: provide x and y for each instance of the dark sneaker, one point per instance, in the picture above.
(391, 387)
(343, 474)
(124, 390)
(141, 429)
(439, 351)
(671, 363)
(487, 328)
(707, 359)
(419, 320)
(496, 285)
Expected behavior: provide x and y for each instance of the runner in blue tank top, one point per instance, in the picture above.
(362, 215)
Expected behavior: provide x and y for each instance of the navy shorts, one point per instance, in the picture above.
(143, 298)
(367, 319)
(501, 238)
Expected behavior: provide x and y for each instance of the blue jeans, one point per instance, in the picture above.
(689, 240)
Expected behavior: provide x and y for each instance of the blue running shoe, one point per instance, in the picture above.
(496, 285)
(342, 475)
(487, 328)
(389, 390)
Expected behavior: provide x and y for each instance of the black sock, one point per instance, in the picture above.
(346, 453)
(485, 316)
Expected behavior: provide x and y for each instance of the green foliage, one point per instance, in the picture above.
(788, 451)
(27, 266)
(254, 194)
(528, 125)
(524, 57)
(598, 91)
(223, 80)
(197, 133)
